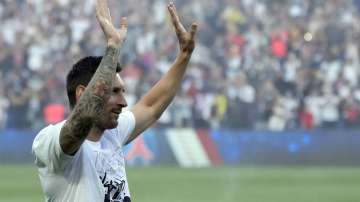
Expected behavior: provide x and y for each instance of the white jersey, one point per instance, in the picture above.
(96, 173)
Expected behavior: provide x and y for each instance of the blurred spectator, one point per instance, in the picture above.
(54, 113)
(4, 103)
(306, 118)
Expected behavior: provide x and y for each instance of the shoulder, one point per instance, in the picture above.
(47, 134)
(127, 117)
(126, 125)
(126, 122)
(46, 148)
(50, 129)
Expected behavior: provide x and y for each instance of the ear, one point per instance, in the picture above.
(79, 91)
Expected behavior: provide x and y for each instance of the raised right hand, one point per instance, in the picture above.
(115, 37)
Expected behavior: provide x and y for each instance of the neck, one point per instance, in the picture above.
(95, 134)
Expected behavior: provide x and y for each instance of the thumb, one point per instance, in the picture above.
(193, 30)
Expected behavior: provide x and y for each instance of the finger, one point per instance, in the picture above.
(123, 22)
(193, 30)
(102, 9)
(175, 18)
(106, 10)
(108, 15)
(123, 25)
(98, 8)
(100, 15)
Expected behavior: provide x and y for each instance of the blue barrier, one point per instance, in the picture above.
(284, 148)
(234, 147)
(15, 145)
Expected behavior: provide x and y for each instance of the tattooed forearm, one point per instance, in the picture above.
(91, 104)
(100, 84)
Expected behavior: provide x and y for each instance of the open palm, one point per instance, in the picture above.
(186, 39)
(115, 37)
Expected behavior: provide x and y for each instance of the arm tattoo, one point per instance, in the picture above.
(90, 105)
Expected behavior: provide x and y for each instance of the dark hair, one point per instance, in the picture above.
(81, 74)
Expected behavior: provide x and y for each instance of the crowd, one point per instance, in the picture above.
(264, 65)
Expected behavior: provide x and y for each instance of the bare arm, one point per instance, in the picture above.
(153, 104)
(91, 103)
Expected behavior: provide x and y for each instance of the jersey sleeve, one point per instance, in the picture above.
(126, 125)
(47, 151)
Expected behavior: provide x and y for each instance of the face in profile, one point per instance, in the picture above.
(114, 106)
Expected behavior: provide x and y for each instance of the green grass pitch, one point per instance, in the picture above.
(19, 183)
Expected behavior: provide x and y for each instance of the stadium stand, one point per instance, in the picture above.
(291, 64)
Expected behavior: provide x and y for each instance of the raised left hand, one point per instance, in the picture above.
(186, 39)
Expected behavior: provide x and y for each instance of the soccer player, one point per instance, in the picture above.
(81, 159)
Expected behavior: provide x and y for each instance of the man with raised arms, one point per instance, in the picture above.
(81, 159)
